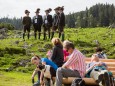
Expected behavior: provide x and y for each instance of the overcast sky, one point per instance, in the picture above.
(16, 8)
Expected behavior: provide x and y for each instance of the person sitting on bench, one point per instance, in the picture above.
(74, 67)
(99, 72)
(100, 53)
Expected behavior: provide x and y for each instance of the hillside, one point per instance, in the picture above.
(15, 54)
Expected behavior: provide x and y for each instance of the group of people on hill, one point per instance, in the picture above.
(47, 21)
(64, 60)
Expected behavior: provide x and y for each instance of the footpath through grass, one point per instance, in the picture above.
(15, 79)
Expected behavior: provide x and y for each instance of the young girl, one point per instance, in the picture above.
(57, 53)
(46, 68)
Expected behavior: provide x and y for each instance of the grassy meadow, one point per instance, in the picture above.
(15, 79)
(15, 54)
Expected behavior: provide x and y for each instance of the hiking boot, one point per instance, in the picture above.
(112, 80)
(107, 79)
(100, 78)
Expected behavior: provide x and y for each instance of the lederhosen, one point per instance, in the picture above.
(61, 22)
(47, 22)
(26, 23)
(37, 23)
(56, 20)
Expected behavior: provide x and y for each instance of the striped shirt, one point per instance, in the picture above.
(76, 61)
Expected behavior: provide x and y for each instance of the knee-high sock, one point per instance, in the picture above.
(28, 35)
(39, 35)
(59, 34)
(52, 35)
(62, 36)
(35, 35)
(44, 36)
(49, 35)
(23, 35)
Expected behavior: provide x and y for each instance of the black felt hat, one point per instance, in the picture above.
(26, 11)
(37, 11)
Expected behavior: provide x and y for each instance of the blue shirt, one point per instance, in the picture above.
(49, 62)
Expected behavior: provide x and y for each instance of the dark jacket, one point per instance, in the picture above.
(49, 19)
(39, 20)
(62, 20)
(56, 19)
(26, 21)
(57, 55)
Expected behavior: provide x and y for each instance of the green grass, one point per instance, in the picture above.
(15, 79)
(12, 54)
(84, 39)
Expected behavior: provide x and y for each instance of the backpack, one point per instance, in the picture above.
(78, 82)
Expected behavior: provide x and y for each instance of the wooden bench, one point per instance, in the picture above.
(90, 81)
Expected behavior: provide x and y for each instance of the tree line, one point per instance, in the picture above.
(99, 15)
(11, 23)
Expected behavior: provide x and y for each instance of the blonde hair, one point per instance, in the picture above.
(56, 41)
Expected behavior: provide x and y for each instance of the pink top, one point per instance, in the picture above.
(65, 55)
(49, 53)
(76, 61)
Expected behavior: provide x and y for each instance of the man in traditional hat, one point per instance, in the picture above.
(26, 23)
(61, 22)
(37, 23)
(47, 22)
(55, 21)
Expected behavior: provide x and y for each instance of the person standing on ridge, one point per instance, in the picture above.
(61, 22)
(47, 22)
(26, 24)
(55, 23)
(37, 23)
